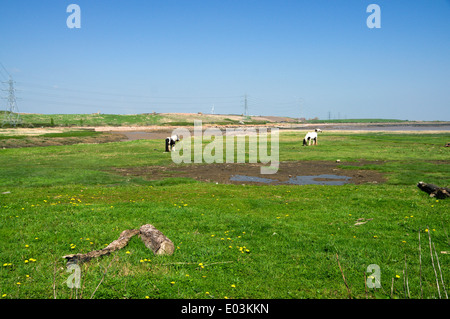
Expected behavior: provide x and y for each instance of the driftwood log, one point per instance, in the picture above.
(152, 238)
(434, 191)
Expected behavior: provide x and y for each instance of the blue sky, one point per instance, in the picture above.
(292, 58)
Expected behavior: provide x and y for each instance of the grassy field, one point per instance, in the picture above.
(144, 119)
(176, 119)
(232, 241)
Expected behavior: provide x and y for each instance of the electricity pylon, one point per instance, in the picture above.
(12, 112)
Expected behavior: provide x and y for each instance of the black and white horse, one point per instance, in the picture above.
(311, 137)
(170, 142)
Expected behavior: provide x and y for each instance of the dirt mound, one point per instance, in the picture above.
(221, 173)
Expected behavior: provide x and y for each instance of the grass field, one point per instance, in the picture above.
(232, 241)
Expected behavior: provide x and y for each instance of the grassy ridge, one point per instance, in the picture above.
(232, 241)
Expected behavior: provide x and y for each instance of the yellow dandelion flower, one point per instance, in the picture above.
(147, 297)
(397, 276)
(233, 286)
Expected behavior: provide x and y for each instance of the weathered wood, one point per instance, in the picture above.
(434, 191)
(117, 244)
(155, 240)
(151, 237)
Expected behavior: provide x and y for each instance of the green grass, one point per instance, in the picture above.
(50, 120)
(359, 121)
(252, 241)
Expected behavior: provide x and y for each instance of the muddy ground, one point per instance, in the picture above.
(222, 172)
(36, 141)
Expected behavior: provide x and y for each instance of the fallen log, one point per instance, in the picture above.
(434, 191)
(155, 240)
(152, 238)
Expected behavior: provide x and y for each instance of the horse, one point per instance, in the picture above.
(170, 142)
(310, 137)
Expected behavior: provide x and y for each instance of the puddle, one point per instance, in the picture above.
(245, 178)
(324, 179)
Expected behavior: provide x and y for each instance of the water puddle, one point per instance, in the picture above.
(324, 179)
(245, 178)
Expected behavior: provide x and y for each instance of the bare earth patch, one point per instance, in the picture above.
(34, 141)
(222, 172)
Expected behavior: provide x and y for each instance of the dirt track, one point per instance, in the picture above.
(221, 173)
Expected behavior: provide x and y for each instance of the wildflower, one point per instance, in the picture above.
(397, 276)
(127, 252)
(18, 283)
(4, 295)
(233, 286)
(147, 297)
(207, 292)
(172, 282)
(426, 230)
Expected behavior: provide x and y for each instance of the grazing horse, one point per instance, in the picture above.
(170, 142)
(310, 137)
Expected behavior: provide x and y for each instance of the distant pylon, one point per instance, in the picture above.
(12, 116)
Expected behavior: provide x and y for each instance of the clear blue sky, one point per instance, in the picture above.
(294, 58)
